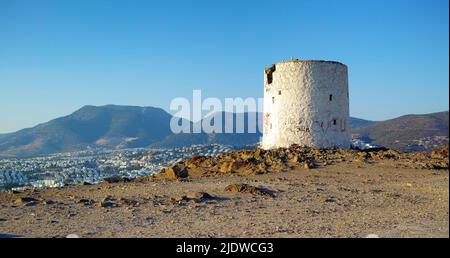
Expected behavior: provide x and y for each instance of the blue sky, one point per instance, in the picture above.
(56, 56)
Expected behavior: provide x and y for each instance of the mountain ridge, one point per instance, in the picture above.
(117, 126)
(90, 126)
(409, 132)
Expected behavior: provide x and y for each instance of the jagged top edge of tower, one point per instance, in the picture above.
(309, 61)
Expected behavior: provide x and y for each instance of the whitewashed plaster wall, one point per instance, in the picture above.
(306, 103)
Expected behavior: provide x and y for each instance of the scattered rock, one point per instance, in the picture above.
(440, 154)
(199, 195)
(25, 200)
(179, 199)
(127, 201)
(259, 161)
(108, 202)
(166, 211)
(245, 188)
(176, 171)
(115, 179)
(194, 196)
(308, 165)
(48, 202)
(33, 203)
(87, 202)
(331, 199)
(197, 158)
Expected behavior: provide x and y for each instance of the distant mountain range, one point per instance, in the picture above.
(107, 126)
(117, 127)
(237, 139)
(407, 133)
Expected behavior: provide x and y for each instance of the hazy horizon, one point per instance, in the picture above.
(57, 56)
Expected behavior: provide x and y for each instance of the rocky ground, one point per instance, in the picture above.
(259, 161)
(295, 192)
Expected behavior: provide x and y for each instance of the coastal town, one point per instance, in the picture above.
(93, 166)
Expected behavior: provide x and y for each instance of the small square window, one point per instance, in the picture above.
(279, 92)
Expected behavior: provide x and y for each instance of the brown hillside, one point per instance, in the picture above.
(409, 133)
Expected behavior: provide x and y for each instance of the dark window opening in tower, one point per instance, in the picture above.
(331, 97)
(334, 122)
(273, 100)
(269, 73)
(279, 92)
(269, 78)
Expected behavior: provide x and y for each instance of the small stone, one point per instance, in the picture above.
(199, 195)
(245, 188)
(33, 203)
(48, 202)
(25, 200)
(115, 179)
(108, 204)
(86, 201)
(331, 199)
(308, 165)
(127, 201)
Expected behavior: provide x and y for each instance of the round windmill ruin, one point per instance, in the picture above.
(306, 102)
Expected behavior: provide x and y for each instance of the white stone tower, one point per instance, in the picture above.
(306, 103)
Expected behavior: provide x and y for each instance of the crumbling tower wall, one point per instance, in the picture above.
(306, 102)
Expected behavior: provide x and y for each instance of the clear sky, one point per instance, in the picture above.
(56, 56)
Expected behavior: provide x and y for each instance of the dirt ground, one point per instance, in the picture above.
(341, 200)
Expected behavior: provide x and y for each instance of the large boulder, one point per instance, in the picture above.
(176, 171)
(440, 154)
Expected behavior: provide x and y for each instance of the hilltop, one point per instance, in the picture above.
(293, 192)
